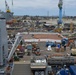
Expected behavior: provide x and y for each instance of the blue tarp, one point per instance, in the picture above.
(73, 70)
(52, 44)
(63, 72)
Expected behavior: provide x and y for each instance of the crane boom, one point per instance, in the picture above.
(7, 7)
(15, 45)
(60, 5)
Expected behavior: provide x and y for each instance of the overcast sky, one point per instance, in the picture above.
(39, 7)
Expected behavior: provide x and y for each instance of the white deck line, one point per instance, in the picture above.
(42, 40)
(38, 33)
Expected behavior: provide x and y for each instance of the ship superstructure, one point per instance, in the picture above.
(3, 42)
(7, 15)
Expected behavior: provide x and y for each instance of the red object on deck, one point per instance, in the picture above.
(9, 22)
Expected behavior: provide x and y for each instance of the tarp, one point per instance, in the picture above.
(73, 70)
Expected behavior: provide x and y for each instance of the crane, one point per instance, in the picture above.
(7, 7)
(60, 4)
(9, 14)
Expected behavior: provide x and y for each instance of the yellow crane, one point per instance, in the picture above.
(7, 7)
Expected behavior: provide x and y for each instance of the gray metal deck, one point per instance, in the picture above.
(22, 69)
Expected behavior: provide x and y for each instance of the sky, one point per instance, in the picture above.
(40, 7)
